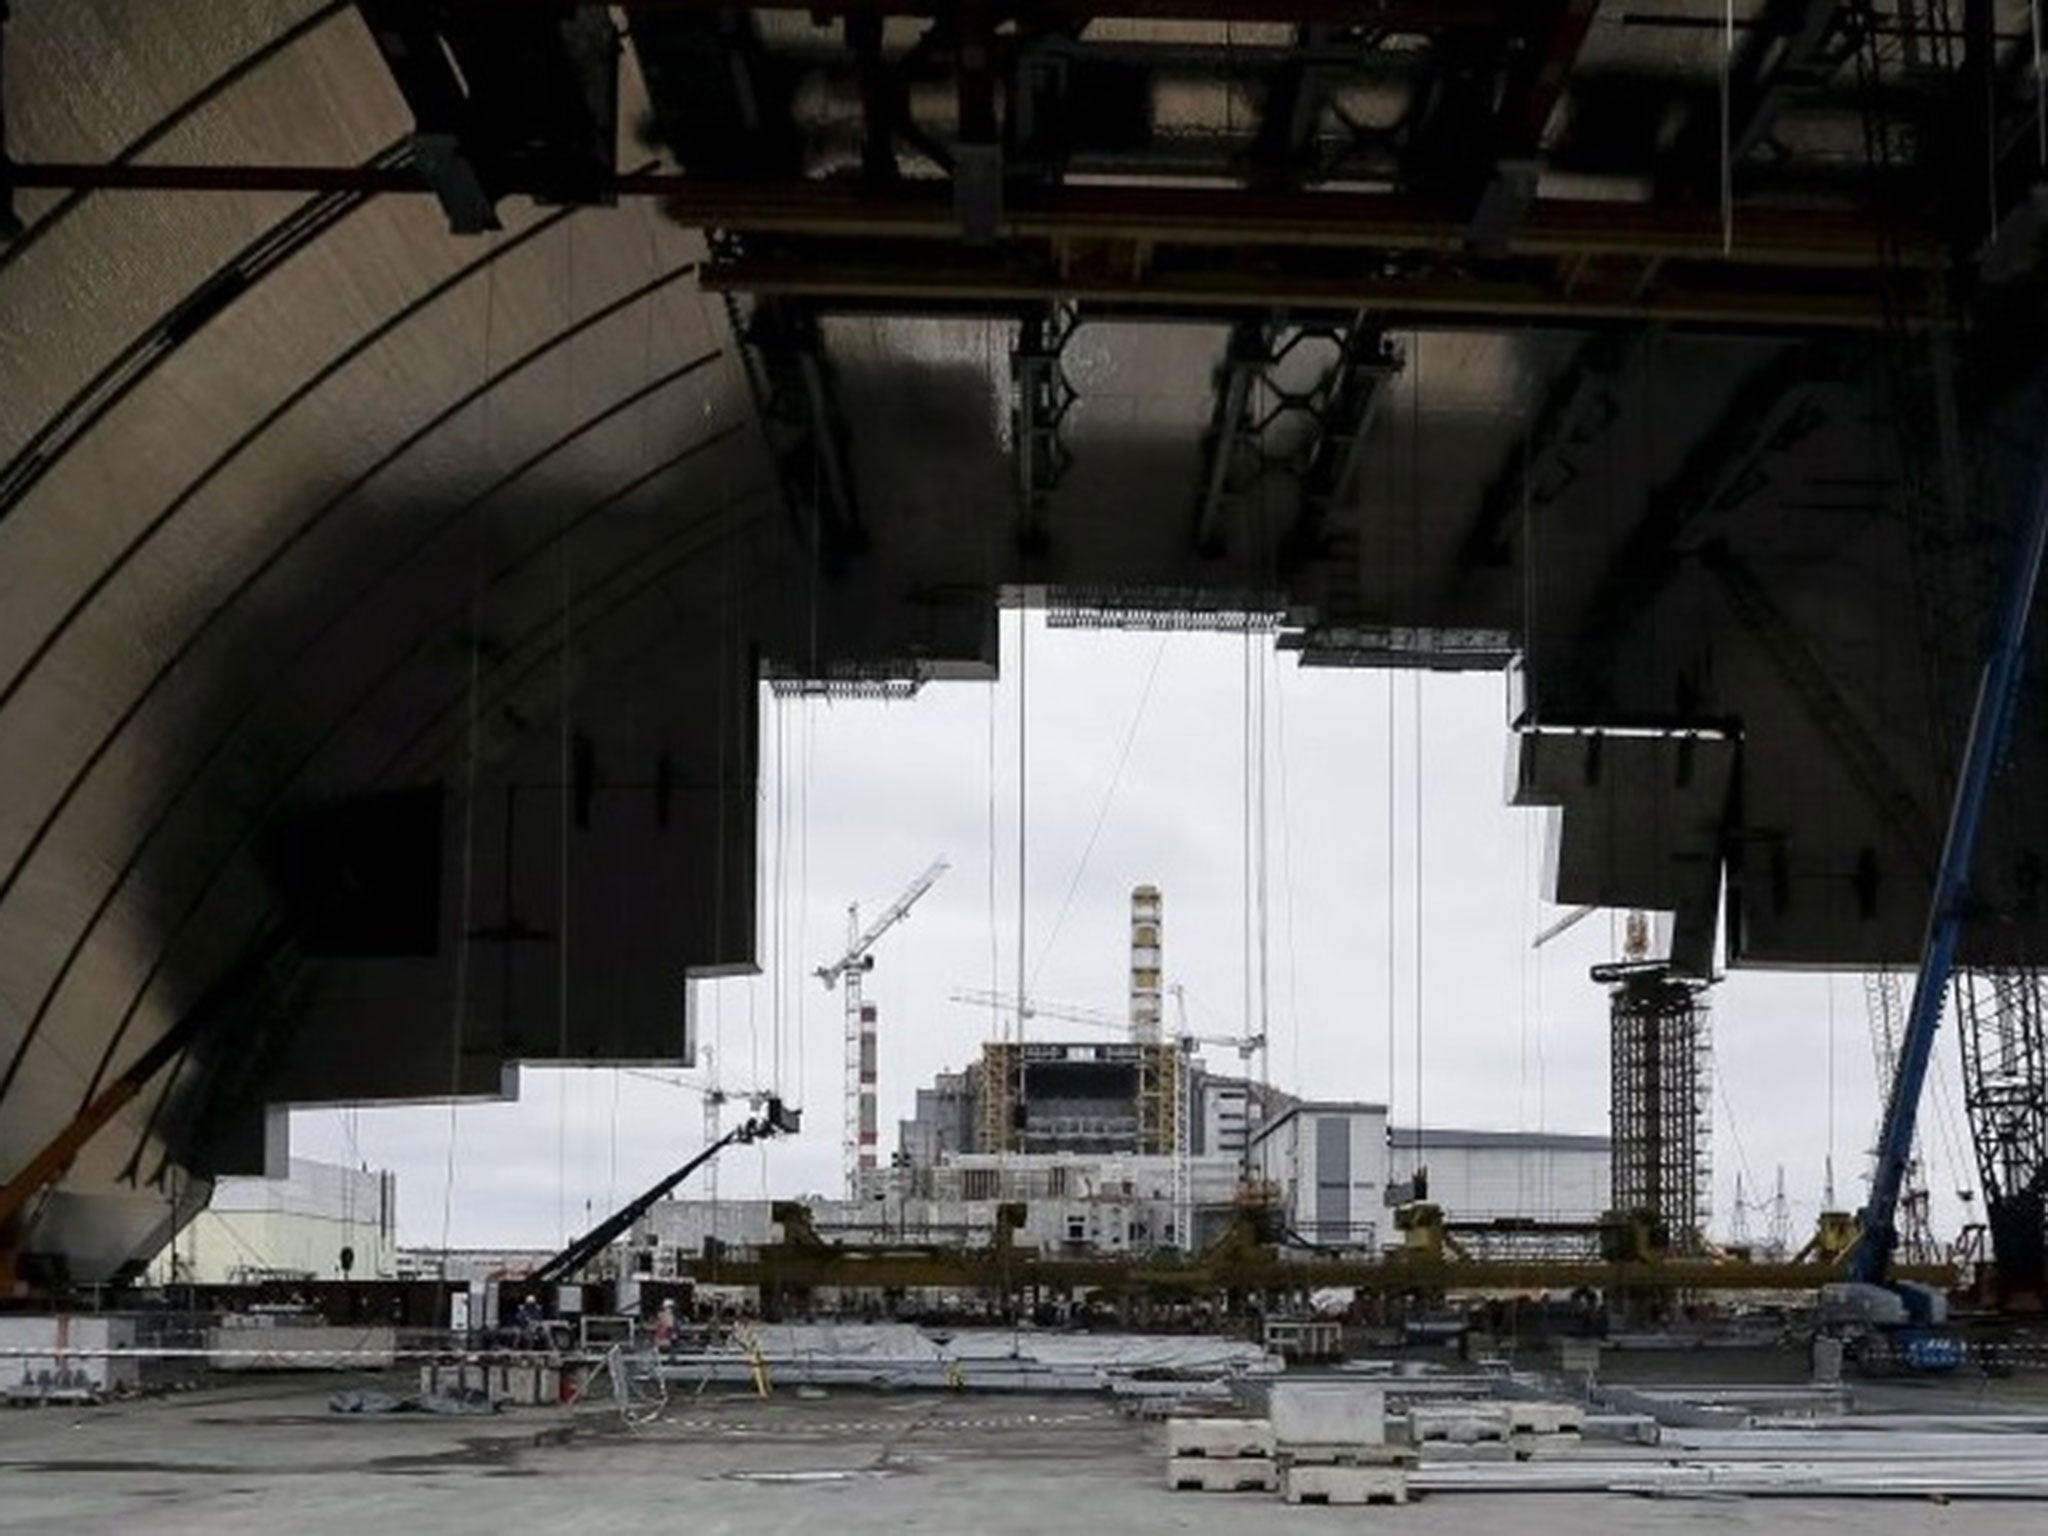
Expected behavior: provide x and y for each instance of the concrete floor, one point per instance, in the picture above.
(268, 1457)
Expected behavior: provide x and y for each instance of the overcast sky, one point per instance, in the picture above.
(1509, 1037)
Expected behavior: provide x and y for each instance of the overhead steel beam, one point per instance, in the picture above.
(1811, 239)
(798, 405)
(528, 100)
(1537, 72)
(1231, 430)
(1296, 91)
(1792, 46)
(1379, 15)
(1043, 396)
(1430, 302)
(1348, 399)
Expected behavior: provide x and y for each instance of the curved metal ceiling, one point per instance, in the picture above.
(279, 476)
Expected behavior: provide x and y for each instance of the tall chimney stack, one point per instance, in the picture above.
(1147, 921)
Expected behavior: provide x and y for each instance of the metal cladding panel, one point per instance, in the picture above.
(1642, 820)
(1333, 1177)
(1538, 1181)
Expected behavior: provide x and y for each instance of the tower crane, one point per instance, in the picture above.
(850, 967)
(1246, 1046)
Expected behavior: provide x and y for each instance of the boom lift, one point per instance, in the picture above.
(776, 1119)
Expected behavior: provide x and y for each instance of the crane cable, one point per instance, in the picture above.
(563, 771)
(466, 897)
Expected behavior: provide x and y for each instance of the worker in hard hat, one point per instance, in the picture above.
(529, 1320)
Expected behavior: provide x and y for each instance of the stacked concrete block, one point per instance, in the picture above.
(1459, 1424)
(1543, 1429)
(1343, 1483)
(1331, 1439)
(1220, 1438)
(1220, 1456)
(1311, 1418)
(1446, 1453)
(1546, 1418)
(1217, 1474)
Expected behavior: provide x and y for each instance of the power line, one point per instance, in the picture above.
(1102, 810)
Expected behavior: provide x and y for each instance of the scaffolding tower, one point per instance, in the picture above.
(996, 1096)
(1661, 1104)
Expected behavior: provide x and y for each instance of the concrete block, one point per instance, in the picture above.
(1545, 1418)
(1328, 1484)
(1327, 1413)
(29, 1375)
(1348, 1455)
(1221, 1474)
(1219, 1437)
(1443, 1453)
(1459, 1423)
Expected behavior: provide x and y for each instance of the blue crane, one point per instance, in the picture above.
(1990, 724)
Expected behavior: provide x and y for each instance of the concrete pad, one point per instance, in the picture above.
(243, 1459)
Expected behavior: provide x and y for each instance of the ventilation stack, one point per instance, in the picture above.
(1147, 918)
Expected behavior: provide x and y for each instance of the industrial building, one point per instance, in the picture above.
(1502, 1176)
(1080, 1097)
(321, 1221)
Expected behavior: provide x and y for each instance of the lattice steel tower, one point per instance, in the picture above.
(1661, 1106)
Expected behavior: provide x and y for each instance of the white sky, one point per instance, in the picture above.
(1510, 1037)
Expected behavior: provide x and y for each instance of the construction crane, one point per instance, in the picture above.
(859, 1133)
(1990, 725)
(1246, 1046)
